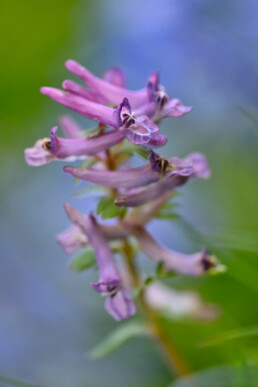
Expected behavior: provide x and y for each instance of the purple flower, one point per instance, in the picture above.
(70, 127)
(39, 154)
(71, 239)
(190, 264)
(162, 105)
(115, 76)
(157, 140)
(118, 302)
(137, 129)
(42, 154)
(129, 178)
(157, 168)
(152, 101)
(70, 149)
(108, 92)
(92, 110)
(201, 168)
(182, 170)
(65, 147)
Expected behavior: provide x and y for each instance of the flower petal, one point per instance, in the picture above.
(66, 147)
(37, 155)
(121, 306)
(70, 127)
(142, 131)
(80, 91)
(139, 196)
(157, 140)
(115, 76)
(130, 178)
(201, 168)
(189, 264)
(107, 91)
(72, 239)
(92, 110)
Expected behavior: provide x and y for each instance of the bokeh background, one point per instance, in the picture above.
(207, 55)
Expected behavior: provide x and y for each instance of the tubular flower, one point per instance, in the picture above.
(41, 152)
(177, 172)
(118, 302)
(109, 93)
(190, 264)
(151, 101)
(69, 149)
(137, 129)
(157, 168)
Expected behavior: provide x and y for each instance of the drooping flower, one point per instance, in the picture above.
(195, 264)
(118, 301)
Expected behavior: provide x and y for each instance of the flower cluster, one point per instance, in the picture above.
(137, 194)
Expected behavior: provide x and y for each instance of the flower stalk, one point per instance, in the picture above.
(134, 194)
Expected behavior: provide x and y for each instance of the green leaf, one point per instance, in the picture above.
(166, 211)
(231, 335)
(253, 118)
(118, 337)
(130, 149)
(84, 261)
(107, 209)
(89, 189)
(168, 215)
(242, 240)
(224, 376)
(94, 131)
(142, 152)
(13, 382)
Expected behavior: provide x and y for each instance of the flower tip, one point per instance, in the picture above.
(44, 90)
(70, 64)
(209, 262)
(188, 109)
(51, 92)
(66, 84)
(68, 208)
(120, 201)
(68, 170)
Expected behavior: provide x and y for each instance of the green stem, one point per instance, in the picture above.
(174, 361)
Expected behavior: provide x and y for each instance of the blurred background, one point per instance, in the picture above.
(207, 55)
